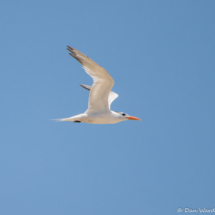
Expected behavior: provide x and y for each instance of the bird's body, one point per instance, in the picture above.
(101, 96)
(109, 117)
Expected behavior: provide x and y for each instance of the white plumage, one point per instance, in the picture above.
(101, 96)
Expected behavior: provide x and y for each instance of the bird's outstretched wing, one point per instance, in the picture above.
(102, 82)
(112, 96)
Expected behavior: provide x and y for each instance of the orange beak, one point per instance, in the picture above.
(133, 118)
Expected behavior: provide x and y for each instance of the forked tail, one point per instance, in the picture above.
(63, 119)
(77, 118)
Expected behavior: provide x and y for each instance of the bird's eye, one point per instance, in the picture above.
(123, 114)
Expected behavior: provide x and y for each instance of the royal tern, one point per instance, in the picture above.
(101, 96)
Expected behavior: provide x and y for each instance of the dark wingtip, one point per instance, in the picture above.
(73, 54)
(69, 47)
(76, 57)
(85, 87)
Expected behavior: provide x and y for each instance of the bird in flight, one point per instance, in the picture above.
(100, 97)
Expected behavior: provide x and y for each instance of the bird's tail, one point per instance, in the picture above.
(63, 119)
(76, 118)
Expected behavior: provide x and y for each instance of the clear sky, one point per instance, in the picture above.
(161, 56)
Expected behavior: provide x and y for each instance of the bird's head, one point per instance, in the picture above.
(125, 116)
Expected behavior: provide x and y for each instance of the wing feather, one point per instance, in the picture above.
(112, 96)
(103, 82)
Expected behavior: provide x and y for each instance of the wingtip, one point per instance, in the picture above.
(85, 86)
(70, 48)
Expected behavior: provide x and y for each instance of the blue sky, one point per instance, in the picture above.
(161, 56)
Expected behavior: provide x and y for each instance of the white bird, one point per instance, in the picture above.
(101, 96)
